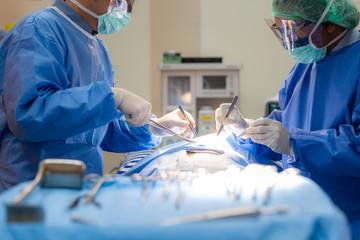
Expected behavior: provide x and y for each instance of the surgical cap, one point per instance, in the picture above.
(342, 12)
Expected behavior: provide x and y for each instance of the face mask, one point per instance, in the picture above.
(310, 53)
(112, 23)
(109, 23)
(307, 54)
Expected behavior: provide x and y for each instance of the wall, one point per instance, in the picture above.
(12, 11)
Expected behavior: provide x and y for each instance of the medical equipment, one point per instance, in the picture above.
(271, 104)
(219, 85)
(56, 173)
(206, 119)
(76, 201)
(169, 176)
(233, 103)
(310, 213)
(242, 211)
(288, 171)
(52, 173)
(165, 129)
(194, 85)
(187, 118)
(77, 218)
(99, 181)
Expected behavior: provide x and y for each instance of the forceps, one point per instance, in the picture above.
(187, 118)
(100, 180)
(165, 129)
(233, 103)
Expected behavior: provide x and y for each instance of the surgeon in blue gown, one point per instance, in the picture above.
(58, 98)
(317, 129)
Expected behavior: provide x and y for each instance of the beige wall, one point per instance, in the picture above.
(12, 11)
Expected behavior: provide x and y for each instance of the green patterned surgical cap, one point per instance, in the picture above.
(342, 12)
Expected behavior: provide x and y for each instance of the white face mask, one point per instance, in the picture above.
(113, 21)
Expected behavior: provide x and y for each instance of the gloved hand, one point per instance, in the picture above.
(136, 109)
(272, 134)
(235, 122)
(176, 122)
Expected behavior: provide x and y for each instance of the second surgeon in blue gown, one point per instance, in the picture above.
(317, 129)
(58, 98)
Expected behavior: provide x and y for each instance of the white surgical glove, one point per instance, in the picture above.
(235, 122)
(176, 122)
(272, 134)
(136, 109)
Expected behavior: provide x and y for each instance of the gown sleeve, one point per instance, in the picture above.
(38, 101)
(121, 137)
(333, 152)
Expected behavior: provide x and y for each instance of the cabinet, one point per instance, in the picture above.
(198, 85)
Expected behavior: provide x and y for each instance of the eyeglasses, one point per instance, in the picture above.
(123, 6)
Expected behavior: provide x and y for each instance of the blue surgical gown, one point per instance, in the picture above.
(56, 99)
(320, 105)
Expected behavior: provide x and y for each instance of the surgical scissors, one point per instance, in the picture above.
(232, 106)
(187, 118)
(165, 129)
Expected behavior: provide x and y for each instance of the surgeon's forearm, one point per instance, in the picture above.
(64, 114)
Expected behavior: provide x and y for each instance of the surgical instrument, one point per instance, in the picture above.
(187, 118)
(232, 105)
(59, 173)
(75, 217)
(165, 129)
(169, 179)
(288, 171)
(108, 177)
(241, 211)
(76, 202)
(52, 173)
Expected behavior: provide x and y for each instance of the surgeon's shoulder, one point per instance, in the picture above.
(44, 21)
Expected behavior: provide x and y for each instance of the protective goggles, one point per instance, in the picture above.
(295, 33)
(120, 7)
